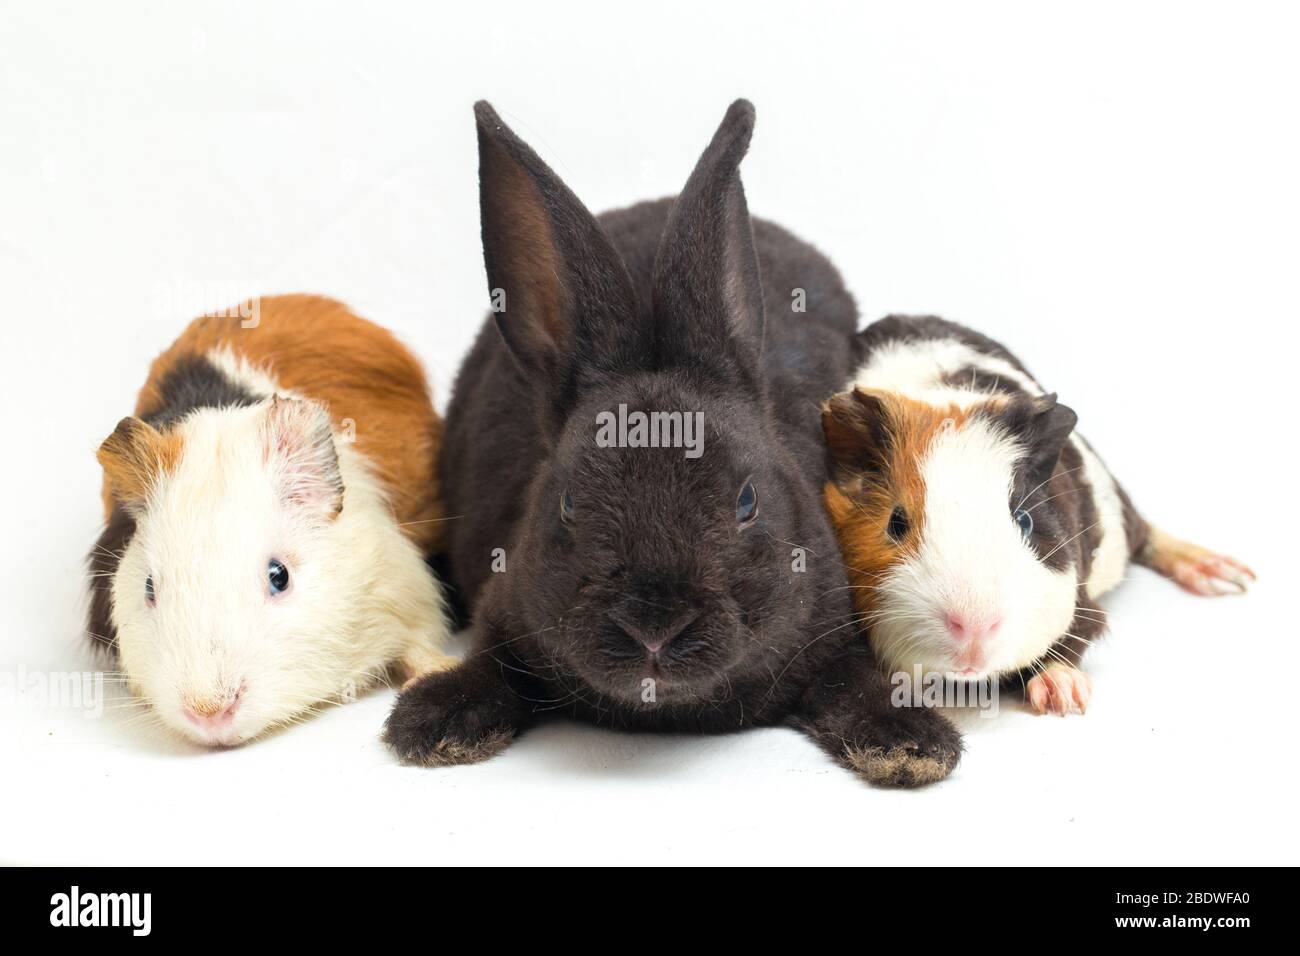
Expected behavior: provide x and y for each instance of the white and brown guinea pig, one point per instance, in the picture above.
(979, 529)
(269, 509)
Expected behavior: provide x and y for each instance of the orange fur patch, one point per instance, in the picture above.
(878, 440)
(372, 385)
(134, 457)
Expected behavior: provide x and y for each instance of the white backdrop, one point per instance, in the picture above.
(1112, 190)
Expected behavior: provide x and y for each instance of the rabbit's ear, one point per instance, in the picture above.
(561, 296)
(707, 294)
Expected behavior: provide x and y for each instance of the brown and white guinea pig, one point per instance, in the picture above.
(269, 509)
(979, 529)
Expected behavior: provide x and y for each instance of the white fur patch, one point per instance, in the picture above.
(240, 370)
(1111, 558)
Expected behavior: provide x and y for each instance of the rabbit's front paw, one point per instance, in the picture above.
(905, 747)
(439, 722)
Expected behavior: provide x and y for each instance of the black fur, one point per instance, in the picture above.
(194, 382)
(102, 564)
(669, 306)
(190, 383)
(1044, 426)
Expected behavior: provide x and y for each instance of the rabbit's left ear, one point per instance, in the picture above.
(562, 297)
(708, 298)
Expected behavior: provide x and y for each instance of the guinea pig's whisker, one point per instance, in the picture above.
(894, 613)
(1068, 540)
(510, 667)
(564, 701)
(410, 524)
(790, 544)
(125, 705)
(1059, 494)
(870, 575)
(312, 703)
(1085, 640)
(486, 650)
(145, 717)
(572, 692)
(1087, 617)
(1068, 471)
(846, 567)
(838, 617)
(905, 648)
(805, 647)
(1058, 656)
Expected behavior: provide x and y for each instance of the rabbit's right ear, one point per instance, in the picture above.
(708, 294)
(561, 296)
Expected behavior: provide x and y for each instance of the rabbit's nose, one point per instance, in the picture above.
(654, 636)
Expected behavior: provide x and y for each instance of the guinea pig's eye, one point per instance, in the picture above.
(898, 524)
(277, 577)
(746, 504)
(149, 596)
(566, 507)
(1026, 522)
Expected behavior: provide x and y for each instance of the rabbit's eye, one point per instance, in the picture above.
(746, 504)
(898, 524)
(566, 507)
(150, 597)
(1026, 522)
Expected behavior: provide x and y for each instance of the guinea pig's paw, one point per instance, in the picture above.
(1212, 575)
(435, 725)
(1198, 569)
(1060, 690)
(909, 747)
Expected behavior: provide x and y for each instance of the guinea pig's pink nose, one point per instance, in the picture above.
(212, 713)
(976, 630)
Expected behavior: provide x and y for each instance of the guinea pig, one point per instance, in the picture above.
(637, 469)
(269, 508)
(978, 526)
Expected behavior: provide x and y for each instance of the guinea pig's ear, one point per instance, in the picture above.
(708, 297)
(561, 295)
(1046, 430)
(298, 442)
(856, 426)
(134, 458)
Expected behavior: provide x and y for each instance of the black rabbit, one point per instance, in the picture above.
(696, 588)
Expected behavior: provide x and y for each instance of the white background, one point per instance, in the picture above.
(1111, 190)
